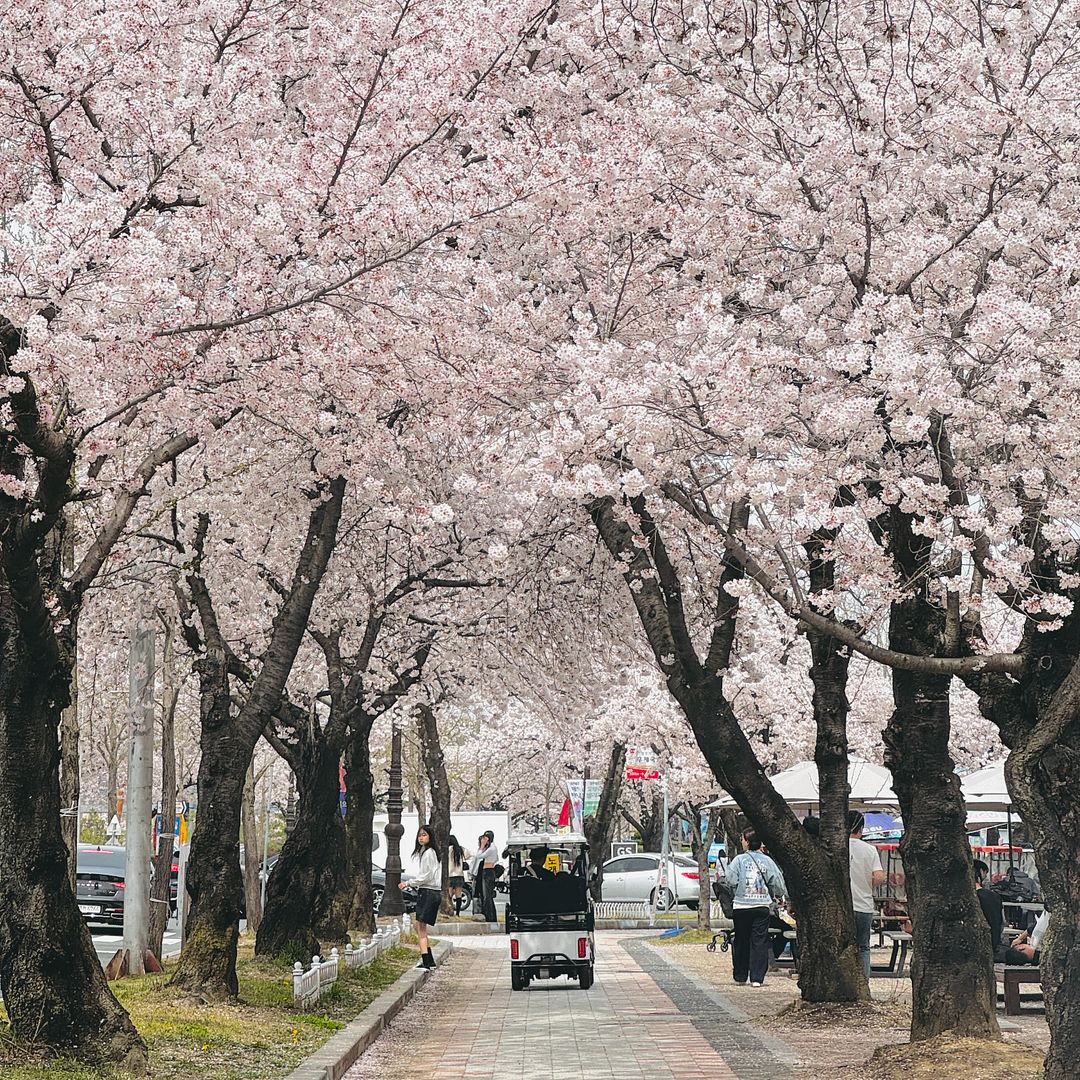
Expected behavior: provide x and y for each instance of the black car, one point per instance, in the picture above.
(100, 874)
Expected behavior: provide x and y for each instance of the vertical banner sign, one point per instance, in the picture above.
(593, 791)
(575, 789)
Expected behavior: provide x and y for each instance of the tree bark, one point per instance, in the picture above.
(160, 890)
(599, 827)
(54, 987)
(699, 845)
(252, 862)
(359, 827)
(311, 869)
(427, 724)
(70, 785)
(952, 979)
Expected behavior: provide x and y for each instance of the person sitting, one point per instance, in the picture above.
(536, 868)
(1025, 947)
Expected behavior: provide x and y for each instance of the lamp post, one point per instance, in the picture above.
(392, 902)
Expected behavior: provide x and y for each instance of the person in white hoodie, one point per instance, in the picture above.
(427, 880)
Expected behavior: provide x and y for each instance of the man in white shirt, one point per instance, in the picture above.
(866, 875)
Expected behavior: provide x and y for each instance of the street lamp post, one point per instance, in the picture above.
(392, 902)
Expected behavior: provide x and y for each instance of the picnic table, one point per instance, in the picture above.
(1011, 976)
(901, 943)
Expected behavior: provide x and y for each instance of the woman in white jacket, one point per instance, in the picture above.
(427, 880)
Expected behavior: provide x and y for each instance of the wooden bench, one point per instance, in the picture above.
(1012, 975)
(901, 942)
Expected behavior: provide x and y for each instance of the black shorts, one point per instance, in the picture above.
(427, 906)
(457, 882)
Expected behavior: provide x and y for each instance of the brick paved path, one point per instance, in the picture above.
(642, 1020)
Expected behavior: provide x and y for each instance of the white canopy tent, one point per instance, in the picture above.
(985, 790)
(869, 786)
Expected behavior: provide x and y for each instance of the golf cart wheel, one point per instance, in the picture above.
(711, 947)
(585, 979)
(664, 901)
(517, 979)
(376, 897)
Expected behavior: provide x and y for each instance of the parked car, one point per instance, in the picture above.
(633, 877)
(100, 874)
(378, 887)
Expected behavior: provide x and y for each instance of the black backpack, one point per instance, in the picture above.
(1016, 887)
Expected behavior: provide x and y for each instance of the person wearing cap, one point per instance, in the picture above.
(866, 875)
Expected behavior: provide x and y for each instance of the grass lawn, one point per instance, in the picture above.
(262, 1038)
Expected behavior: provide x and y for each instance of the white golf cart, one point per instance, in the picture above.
(549, 918)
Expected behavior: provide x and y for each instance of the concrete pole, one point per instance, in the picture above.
(140, 797)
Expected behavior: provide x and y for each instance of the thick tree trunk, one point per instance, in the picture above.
(599, 827)
(311, 870)
(359, 826)
(54, 987)
(427, 724)
(1045, 782)
(214, 881)
(163, 859)
(252, 863)
(953, 986)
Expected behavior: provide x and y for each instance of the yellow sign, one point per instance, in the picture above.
(552, 862)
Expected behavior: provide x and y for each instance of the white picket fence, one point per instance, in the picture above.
(310, 985)
(621, 909)
(639, 910)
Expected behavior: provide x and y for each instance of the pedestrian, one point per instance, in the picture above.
(455, 864)
(866, 875)
(427, 880)
(487, 858)
(757, 884)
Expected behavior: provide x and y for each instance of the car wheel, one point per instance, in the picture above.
(691, 904)
(585, 978)
(376, 896)
(465, 902)
(664, 902)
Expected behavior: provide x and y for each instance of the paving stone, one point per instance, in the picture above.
(640, 1021)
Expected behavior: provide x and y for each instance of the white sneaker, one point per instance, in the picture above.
(755, 984)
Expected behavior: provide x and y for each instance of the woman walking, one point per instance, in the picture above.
(758, 884)
(427, 880)
(487, 859)
(455, 872)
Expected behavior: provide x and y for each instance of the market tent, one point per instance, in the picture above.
(869, 785)
(985, 790)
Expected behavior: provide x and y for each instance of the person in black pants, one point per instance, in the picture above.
(757, 883)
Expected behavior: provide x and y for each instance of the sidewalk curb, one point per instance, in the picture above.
(338, 1054)
(467, 929)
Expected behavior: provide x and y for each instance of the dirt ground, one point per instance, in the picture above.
(868, 1042)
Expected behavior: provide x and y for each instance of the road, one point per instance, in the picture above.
(107, 939)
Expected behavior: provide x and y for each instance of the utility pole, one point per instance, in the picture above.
(139, 791)
(393, 903)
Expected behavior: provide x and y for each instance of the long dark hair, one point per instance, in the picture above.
(455, 848)
(431, 845)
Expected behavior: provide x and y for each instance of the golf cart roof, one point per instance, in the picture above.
(554, 840)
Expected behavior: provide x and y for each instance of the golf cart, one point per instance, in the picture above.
(549, 917)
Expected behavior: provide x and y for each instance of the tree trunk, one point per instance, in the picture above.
(312, 868)
(160, 889)
(359, 827)
(427, 724)
(111, 753)
(252, 864)
(1045, 782)
(214, 881)
(952, 979)
(600, 826)
(700, 844)
(650, 824)
(54, 987)
(829, 676)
